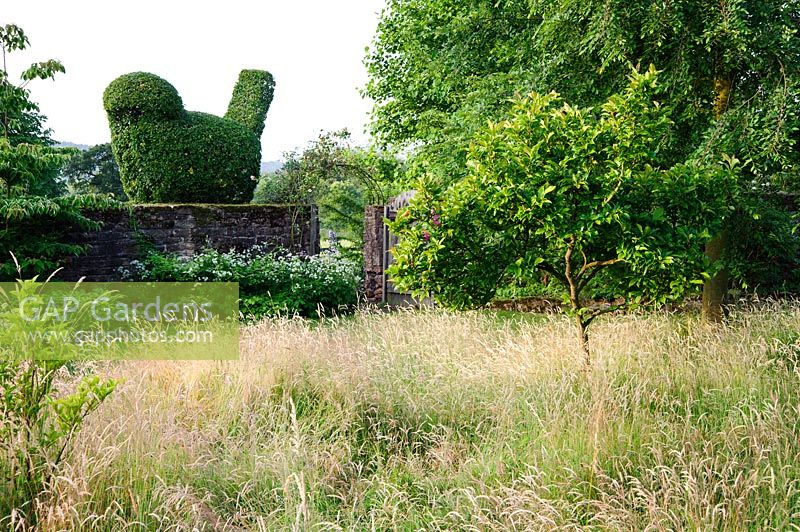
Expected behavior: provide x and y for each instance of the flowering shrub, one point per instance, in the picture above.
(270, 283)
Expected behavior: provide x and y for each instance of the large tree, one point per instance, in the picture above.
(439, 68)
(730, 71)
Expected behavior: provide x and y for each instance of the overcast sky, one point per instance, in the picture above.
(314, 48)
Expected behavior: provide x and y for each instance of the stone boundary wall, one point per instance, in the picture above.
(127, 235)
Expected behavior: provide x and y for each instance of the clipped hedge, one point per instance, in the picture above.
(251, 99)
(167, 154)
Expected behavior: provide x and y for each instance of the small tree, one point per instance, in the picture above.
(578, 194)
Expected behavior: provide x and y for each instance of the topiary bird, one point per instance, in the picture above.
(167, 154)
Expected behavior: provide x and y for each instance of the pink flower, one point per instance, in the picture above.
(435, 220)
(426, 236)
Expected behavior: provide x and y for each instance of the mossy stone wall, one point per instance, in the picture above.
(184, 229)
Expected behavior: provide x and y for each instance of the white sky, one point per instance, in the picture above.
(314, 48)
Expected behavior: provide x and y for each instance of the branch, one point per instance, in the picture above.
(598, 264)
(595, 313)
(573, 288)
(616, 189)
(555, 273)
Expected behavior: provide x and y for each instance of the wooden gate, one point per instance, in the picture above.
(391, 294)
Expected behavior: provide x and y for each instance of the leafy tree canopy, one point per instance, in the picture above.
(20, 118)
(27, 160)
(716, 56)
(439, 69)
(93, 171)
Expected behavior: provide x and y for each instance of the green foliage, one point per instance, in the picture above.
(138, 95)
(439, 69)
(339, 178)
(570, 192)
(22, 124)
(742, 51)
(33, 219)
(93, 171)
(274, 188)
(39, 420)
(167, 154)
(270, 283)
(20, 119)
(36, 228)
(30, 169)
(764, 256)
(25, 169)
(763, 133)
(251, 99)
(33, 225)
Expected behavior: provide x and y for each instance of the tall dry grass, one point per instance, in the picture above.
(472, 421)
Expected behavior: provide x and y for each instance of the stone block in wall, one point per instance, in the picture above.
(373, 253)
(373, 237)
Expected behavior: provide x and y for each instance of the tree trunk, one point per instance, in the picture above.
(583, 338)
(715, 288)
(575, 304)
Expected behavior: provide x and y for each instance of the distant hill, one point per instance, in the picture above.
(82, 147)
(270, 166)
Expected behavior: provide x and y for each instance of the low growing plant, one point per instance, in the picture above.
(38, 419)
(270, 283)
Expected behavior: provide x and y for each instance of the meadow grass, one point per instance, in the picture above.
(473, 421)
